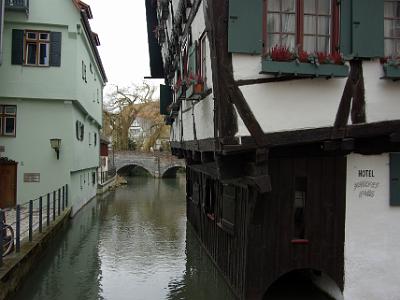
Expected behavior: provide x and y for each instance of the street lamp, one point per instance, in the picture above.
(56, 144)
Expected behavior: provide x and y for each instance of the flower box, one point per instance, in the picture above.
(303, 69)
(195, 91)
(391, 71)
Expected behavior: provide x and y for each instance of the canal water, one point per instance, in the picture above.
(132, 244)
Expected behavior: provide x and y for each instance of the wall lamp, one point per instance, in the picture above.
(56, 144)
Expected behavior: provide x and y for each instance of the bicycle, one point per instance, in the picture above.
(8, 238)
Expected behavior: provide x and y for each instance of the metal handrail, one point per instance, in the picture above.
(32, 215)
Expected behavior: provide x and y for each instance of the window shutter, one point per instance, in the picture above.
(245, 26)
(17, 52)
(55, 49)
(345, 28)
(165, 98)
(395, 179)
(192, 60)
(362, 28)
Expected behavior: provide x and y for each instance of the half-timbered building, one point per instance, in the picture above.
(288, 116)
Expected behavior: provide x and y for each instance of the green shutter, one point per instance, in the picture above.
(55, 49)
(192, 60)
(362, 28)
(17, 52)
(367, 27)
(345, 28)
(245, 26)
(395, 179)
(165, 98)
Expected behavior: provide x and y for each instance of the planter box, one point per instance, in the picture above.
(194, 92)
(304, 69)
(391, 72)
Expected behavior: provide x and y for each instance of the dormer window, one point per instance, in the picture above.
(310, 25)
(37, 48)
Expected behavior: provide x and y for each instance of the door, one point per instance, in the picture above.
(8, 185)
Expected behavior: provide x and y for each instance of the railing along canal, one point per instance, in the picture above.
(106, 175)
(28, 218)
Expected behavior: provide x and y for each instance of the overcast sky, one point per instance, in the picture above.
(122, 28)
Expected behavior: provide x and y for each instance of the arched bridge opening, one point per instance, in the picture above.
(173, 172)
(304, 284)
(133, 170)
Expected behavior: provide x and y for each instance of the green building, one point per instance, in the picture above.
(51, 87)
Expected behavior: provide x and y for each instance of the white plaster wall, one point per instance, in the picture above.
(372, 243)
(295, 104)
(310, 103)
(187, 123)
(204, 116)
(381, 95)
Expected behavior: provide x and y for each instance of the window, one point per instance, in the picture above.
(203, 57)
(90, 139)
(93, 178)
(8, 120)
(300, 196)
(80, 130)
(392, 28)
(310, 25)
(37, 48)
(95, 139)
(84, 72)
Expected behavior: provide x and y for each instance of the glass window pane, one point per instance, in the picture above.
(44, 36)
(44, 54)
(324, 7)
(9, 126)
(396, 29)
(288, 40)
(388, 28)
(288, 5)
(323, 44)
(288, 23)
(273, 23)
(273, 40)
(31, 54)
(310, 25)
(309, 6)
(309, 44)
(388, 47)
(11, 110)
(324, 25)
(32, 35)
(392, 9)
(274, 5)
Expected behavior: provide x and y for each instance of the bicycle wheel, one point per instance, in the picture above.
(8, 246)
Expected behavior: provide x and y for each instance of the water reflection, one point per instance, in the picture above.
(133, 244)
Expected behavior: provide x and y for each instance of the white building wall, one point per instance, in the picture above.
(310, 103)
(372, 242)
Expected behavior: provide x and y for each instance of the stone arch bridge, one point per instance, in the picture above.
(158, 164)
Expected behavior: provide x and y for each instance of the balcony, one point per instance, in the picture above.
(17, 5)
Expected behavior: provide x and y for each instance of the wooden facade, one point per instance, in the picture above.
(8, 183)
(267, 202)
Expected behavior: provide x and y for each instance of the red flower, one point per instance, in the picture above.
(322, 57)
(303, 56)
(280, 53)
